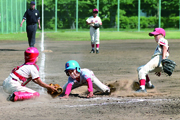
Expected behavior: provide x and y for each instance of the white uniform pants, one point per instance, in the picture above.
(154, 65)
(10, 86)
(94, 33)
(98, 85)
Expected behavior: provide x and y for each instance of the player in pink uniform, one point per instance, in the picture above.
(154, 65)
(22, 75)
(94, 33)
(79, 77)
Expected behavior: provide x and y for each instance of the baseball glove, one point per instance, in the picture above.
(59, 90)
(168, 66)
(96, 25)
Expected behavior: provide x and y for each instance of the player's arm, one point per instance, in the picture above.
(89, 23)
(24, 18)
(164, 52)
(39, 21)
(68, 91)
(22, 22)
(90, 88)
(42, 84)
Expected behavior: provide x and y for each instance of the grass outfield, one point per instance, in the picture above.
(85, 36)
(16, 36)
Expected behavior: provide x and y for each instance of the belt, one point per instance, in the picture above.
(14, 79)
(31, 24)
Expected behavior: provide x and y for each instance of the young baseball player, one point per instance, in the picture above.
(79, 77)
(154, 65)
(94, 32)
(22, 75)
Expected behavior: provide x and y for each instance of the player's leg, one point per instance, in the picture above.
(98, 85)
(17, 91)
(149, 84)
(33, 39)
(92, 39)
(28, 29)
(144, 70)
(97, 34)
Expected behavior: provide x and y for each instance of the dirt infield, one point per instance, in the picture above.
(116, 64)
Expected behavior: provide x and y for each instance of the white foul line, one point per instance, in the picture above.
(118, 101)
(43, 56)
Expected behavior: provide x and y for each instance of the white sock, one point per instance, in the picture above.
(149, 84)
(142, 87)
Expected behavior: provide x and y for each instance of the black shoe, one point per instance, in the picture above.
(150, 87)
(140, 90)
(97, 51)
(92, 51)
(11, 97)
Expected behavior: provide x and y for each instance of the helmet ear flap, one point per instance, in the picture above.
(78, 69)
(67, 73)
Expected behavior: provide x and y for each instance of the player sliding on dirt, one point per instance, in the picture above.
(22, 75)
(79, 77)
(154, 65)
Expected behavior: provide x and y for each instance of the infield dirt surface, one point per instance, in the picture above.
(116, 64)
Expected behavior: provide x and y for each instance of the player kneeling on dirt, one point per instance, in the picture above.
(22, 75)
(154, 65)
(79, 77)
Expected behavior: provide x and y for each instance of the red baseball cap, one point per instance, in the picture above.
(158, 31)
(95, 10)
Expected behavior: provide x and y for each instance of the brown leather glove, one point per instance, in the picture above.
(55, 94)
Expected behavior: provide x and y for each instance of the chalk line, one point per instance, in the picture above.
(43, 56)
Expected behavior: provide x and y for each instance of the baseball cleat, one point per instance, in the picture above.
(149, 87)
(92, 51)
(97, 51)
(140, 90)
(11, 97)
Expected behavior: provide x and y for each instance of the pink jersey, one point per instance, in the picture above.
(25, 73)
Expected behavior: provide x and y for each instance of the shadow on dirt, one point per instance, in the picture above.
(10, 50)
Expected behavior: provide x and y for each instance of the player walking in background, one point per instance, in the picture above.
(154, 65)
(93, 22)
(79, 77)
(22, 75)
(32, 17)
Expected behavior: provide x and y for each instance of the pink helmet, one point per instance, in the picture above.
(158, 31)
(95, 10)
(30, 55)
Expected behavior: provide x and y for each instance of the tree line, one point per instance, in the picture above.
(108, 12)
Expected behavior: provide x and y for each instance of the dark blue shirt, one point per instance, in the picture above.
(31, 16)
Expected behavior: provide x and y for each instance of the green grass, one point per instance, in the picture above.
(85, 36)
(16, 36)
(107, 29)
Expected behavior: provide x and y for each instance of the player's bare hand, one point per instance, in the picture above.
(21, 25)
(52, 88)
(65, 97)
(90, 95)
(39, 27)
(92, 22)
(158, 74)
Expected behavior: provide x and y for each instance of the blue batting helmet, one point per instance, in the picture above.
(71, 65)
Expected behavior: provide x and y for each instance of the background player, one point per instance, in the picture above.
(79, 77)
(32, 17)
(94, 33)
(154, 65)
(22, 75)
